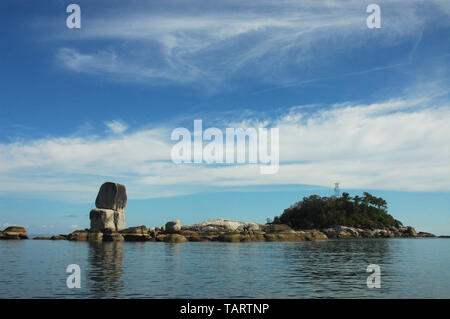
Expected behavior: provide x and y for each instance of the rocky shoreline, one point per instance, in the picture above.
(221, 230)
(108, 224)
(398, 231)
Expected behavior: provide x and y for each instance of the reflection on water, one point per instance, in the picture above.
(410, 268)
(105, 271)
(336, 268)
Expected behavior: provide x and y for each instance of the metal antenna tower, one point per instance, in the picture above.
(337, 191)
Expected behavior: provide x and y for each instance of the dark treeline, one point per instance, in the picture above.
(322, 212)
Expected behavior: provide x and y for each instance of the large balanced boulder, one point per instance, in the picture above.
(110, 212)
(107, 219)
(112, 196)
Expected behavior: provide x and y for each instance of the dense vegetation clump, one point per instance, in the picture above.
(324, 212)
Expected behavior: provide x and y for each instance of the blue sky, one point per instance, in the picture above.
(366, 107)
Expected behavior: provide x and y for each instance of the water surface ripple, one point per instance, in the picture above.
(410, 268)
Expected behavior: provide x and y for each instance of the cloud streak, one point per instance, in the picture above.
(268, 40)
(397, 144)
(116, 126)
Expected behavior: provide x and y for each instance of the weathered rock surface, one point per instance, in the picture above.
(112, 236)
(79, 235)
(302, 235)
(389, 232)
(112, 196)
(235, 231)
(175, 238)
(173, 226)
(14, 233)
(107, 219)
(203, 233)
(424, 234)
(222, 225)
(277, 228)
(95, 235)
(139, 233)
(55, 237)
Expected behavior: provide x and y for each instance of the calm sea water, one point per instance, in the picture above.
(410, 268)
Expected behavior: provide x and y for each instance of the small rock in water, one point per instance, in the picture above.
(14, 232)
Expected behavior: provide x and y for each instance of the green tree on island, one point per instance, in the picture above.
(324, 212)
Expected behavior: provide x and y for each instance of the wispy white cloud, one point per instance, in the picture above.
(116, 126)
(264, 39)
(397, 144)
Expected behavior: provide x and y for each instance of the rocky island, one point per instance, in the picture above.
(346, 217)
(314, 218)
(14, 232)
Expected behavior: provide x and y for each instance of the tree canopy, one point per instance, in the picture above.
(322, 212)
